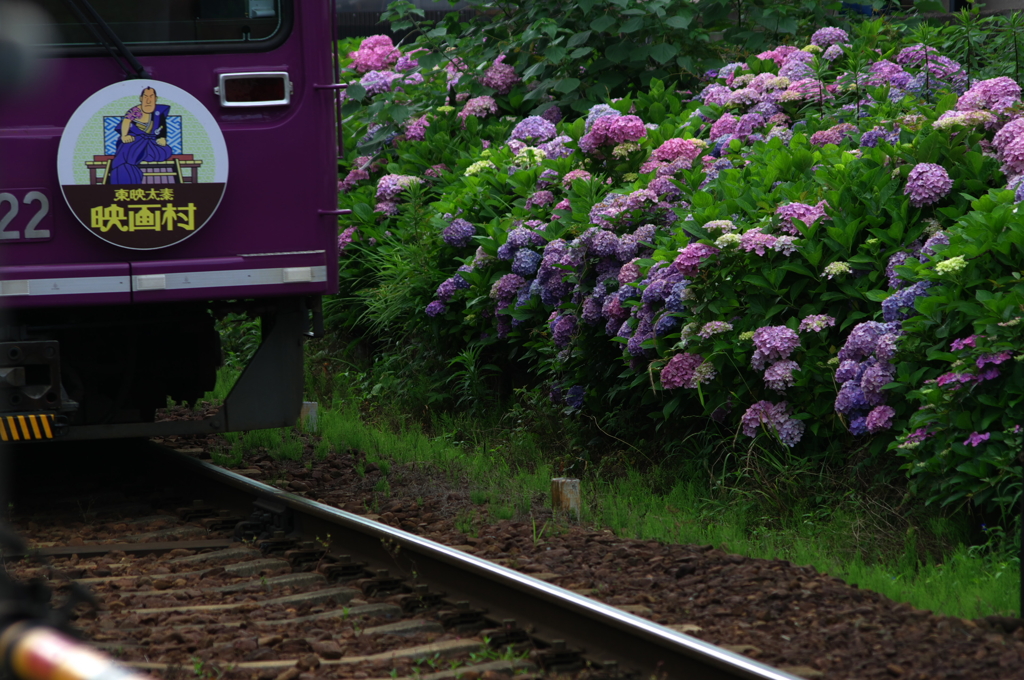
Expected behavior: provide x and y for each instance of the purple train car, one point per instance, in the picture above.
(173, 161)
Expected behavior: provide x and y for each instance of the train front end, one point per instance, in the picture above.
(174, 161)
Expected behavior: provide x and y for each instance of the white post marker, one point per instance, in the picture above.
(565, 495)
(308, 416)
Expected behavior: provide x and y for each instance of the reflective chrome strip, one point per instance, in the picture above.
(229, 278)
(71, 286)
(293, 252)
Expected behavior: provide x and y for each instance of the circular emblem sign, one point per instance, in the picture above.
(142, 164)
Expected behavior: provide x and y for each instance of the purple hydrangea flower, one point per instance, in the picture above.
(872, 137)
(552, 114)
(851, 399)
(977, 438)
(533, 129)
(675, 299)
(875, 377)
(449, 286)
(779, 375)
(563, 329)
(436, 307)
(939, 238)
(862, 340)
(665, 325)
(816, 322)
(773, 343)
(961, 343)
(575, 396)
(850, 370)
(897, 259)
(880, 419)
(376, 82)
(900, 305)
(828, 36)
(644, 332)
(504, 289)
(345, 238)
(459, 233)
(540, 199)
(774, 417)
(859, 426)
(886, 347)
(927, 183)
(390, 186)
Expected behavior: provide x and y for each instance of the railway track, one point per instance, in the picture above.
(208, 573)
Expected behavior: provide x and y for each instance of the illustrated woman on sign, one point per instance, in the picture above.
(143, 138)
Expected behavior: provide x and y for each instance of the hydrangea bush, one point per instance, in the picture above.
(774, 252)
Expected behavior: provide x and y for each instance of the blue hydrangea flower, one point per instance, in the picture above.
(526, 262)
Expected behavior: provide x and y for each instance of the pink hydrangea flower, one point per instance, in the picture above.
(500, 77)
(481, 107)
(682, 371)
(690, 257)
(808, 214)
(754, 240)
(345, 239)
(779, 54)
(574, 175)
(996, 94)
(726, 125)
(674, 149)
(376, 53)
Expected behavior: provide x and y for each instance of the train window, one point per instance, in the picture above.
(148, 26)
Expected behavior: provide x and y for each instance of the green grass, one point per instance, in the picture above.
(503, 469)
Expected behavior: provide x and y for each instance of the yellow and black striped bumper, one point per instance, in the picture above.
(27, 427)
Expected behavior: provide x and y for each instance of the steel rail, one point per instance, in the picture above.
(600, 631)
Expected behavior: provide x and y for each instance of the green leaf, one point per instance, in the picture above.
(876, 295)
(787, 25)
(355, 91)
(662, 52)
(578, 39)
(634, 24)
(567, 85)
(437, 32)
(580, 52)
(619, 52)
(602, 23)
(429, 60)
(679, 21)
(363, 211)
(534, 70)
(555, 53)
(399, 113)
